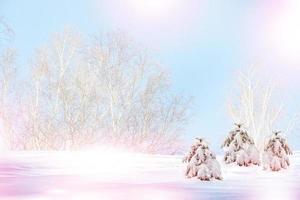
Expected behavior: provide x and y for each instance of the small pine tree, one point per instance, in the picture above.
(276, 153)
(240, 148)
(201, 162)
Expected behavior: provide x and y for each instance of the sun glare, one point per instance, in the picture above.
(285, 31)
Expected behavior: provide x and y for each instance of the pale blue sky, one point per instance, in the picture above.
(203, 43)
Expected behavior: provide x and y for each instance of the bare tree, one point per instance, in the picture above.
(256, 105)
(7, 83)
(34, 136)
(6, 32)
(133, 89)
(51, 69)
(107, 91)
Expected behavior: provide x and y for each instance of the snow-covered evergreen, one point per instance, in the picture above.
(240, 148)
(201, 162)
(276, 153)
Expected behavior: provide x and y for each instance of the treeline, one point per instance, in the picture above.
(100, 90)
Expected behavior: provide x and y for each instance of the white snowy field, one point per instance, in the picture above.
(114, 175)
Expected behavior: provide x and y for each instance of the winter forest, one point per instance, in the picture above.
(141, 99)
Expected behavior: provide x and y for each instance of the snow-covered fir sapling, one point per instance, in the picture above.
(201, 162)
(240, 148)
(276, 153)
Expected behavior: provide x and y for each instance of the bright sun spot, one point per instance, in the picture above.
(285, 31)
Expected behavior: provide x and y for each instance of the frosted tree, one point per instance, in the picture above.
(133, 92)
(253, 103)
(256, 102)
(8, 97)
(7, 83)
(201, 162)
(52, 71)
(6, 32)
(240, 148)
(104, 90)
(101, 90)
(276, 153)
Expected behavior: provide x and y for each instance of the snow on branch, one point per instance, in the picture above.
(201, 162)
(240, 148)
(276, 153)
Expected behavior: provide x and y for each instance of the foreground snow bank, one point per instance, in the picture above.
(116, 175)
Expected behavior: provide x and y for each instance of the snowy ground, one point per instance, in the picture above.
(102, 176)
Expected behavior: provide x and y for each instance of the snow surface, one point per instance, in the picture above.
(122, 176)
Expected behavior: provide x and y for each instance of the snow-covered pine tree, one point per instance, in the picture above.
(201, 162)
(276, 153)
(240, 148)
